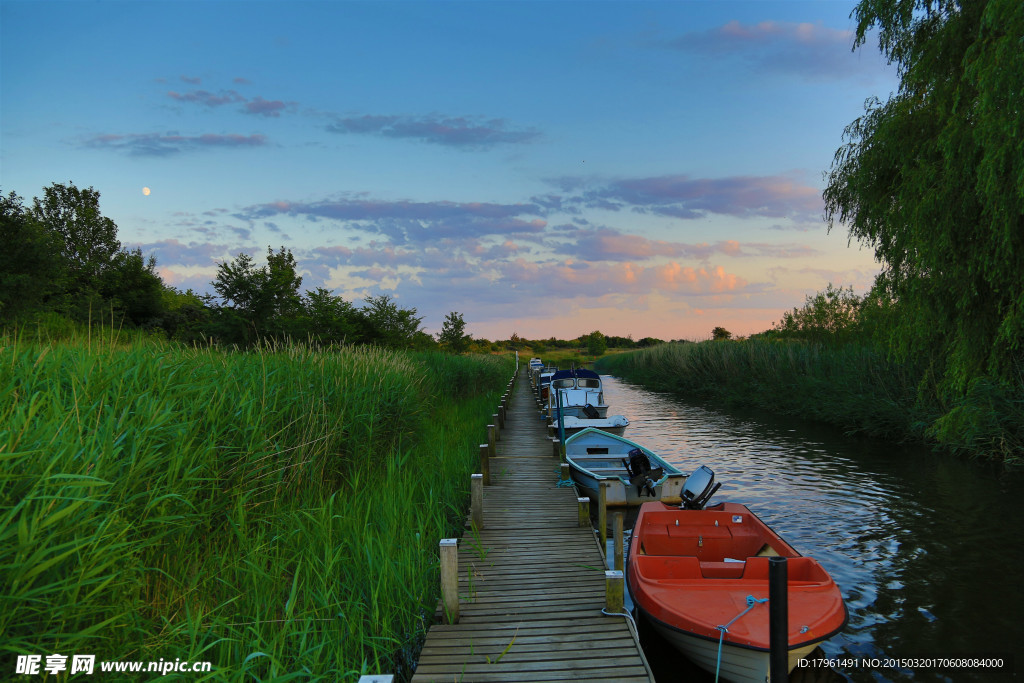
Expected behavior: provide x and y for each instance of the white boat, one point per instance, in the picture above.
(613, 424)
(637, 474)
(576, 393)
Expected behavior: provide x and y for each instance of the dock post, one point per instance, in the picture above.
(618, 559)
(556, 447)
(583, 509)
(563, 472)
(485, 463)
(602, 513)
(778, 619)
(501, 415)
(494, 419)
(613, 590)
(491, 438)
(379, 678)
(450, 579)
(476, 495)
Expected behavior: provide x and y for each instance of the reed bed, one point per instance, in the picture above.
(849, 385)
(274, 512)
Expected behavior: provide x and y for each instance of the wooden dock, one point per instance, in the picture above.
(532, 582)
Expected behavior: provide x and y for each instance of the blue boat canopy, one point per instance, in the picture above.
(578, 372)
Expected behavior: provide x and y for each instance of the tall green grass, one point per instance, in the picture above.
(276, 512)
(852, 386)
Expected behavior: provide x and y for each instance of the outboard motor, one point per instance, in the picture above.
(591, 412)
(698, 488)
(641, 474)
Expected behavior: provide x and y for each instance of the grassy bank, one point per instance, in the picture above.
(276, 513)
(850, 386)
(853, 386)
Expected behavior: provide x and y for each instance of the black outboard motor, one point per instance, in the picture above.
(591, 412)
(698, 488)
(641, 474)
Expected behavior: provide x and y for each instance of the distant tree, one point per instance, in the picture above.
(283, 283)
(421, 341)
(87, 240)
(596, 343)
(331, 319)
(392, 326)
(260, 297)
(649, 341)
(30, 266)
(721, 333)
(131, 287)
(185, 315)
(453, 333)
(515, 342)
(829, 315)
(616, 342)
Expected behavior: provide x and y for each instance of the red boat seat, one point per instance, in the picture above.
(707, 542)
(721, 570)
(798, 570)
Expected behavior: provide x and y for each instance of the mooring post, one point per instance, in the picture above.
(602, 512)
(778, 619)
(583, 508)
(613, 590)
(501, 415)
(491, 438)
(555, 447)
(476, 499)
(497, 434)
(379, 678)
(485, 463)
(563, 472)
(450, 579)
(617, 527)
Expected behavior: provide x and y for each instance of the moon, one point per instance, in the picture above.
(146, 191)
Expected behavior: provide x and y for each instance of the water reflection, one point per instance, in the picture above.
(926, 549)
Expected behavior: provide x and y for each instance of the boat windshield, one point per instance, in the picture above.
(563, 383)
(585, 383)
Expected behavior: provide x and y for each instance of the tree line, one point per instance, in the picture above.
(66, 263)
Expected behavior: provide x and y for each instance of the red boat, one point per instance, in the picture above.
(700, 576)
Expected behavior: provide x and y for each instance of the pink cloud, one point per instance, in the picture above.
(811, 51)
(263, 107)
(156, 144)
(207, 98)
(465, 132)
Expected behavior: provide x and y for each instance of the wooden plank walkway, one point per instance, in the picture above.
(531, 583)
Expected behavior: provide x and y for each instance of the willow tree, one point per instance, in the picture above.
(933, 180)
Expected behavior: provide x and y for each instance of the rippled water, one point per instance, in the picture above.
(927, 549)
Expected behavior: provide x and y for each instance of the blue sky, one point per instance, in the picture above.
(546, 168)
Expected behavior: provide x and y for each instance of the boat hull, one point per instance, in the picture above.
(595, 456)
(738, 664)
(691, 571)
(615, 424)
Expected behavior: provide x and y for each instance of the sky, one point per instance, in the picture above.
(544, 168)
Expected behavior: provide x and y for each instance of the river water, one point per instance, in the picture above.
(927, 549)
